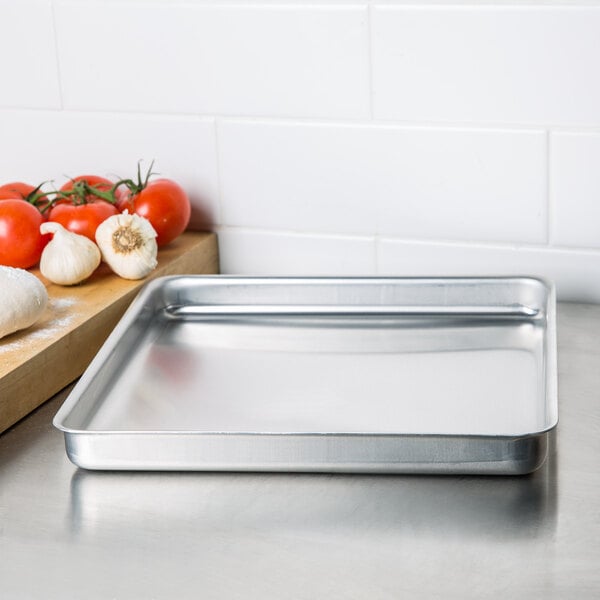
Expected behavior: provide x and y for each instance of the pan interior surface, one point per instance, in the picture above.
(403, 374)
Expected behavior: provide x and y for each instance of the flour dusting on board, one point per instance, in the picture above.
(58, 316)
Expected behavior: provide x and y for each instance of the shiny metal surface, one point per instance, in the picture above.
(336, 375)
(70, 533)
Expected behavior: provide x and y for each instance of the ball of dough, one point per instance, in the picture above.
(23, 299)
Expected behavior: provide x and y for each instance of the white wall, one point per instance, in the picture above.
(341, 137)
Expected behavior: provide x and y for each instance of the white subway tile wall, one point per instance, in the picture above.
(248, 252)
(240, 60)
(339, 137)
(575, 199)
(414, 183)
(487, 64)
(28, 67)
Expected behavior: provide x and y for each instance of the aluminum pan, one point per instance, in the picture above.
(446, 375)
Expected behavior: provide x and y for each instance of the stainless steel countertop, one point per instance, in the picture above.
(68, 533)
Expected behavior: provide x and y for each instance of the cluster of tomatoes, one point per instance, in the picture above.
(80, 205)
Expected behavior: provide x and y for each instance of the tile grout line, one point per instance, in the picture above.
(370, 60)
(376, 235)
(219, 174)
(549, 195)
(377, 243)
(295, 232)
(56, 57)
(388, 4)
(361, 122)
(378, 238)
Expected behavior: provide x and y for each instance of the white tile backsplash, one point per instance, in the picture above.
(68, 144)
(452, 184)
(246, 59)
(250, 252)
(28, 67)
(575, 273)
(575, 189)
(487, 64)
(417, 183)
(347, 137)
(297, 176)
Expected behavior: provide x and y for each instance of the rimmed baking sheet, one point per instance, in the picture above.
(404, 375)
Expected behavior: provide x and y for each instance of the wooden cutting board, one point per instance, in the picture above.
(38, 362)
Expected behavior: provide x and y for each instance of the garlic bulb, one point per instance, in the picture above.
(128, 245)
(68, 258)
(23, 299)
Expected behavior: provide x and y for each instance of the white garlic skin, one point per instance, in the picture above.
(23, 299)
(68, 258)
(128, 245)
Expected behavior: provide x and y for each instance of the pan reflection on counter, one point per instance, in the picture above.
(505, 508)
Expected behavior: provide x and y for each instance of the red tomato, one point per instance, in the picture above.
(83, 211)
(15, 191)
(165, 204)
(82, 218)
(21, 242)
(23, 191)
(94, 181)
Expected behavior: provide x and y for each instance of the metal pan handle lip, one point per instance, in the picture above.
(336, 434)
(519, 310)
